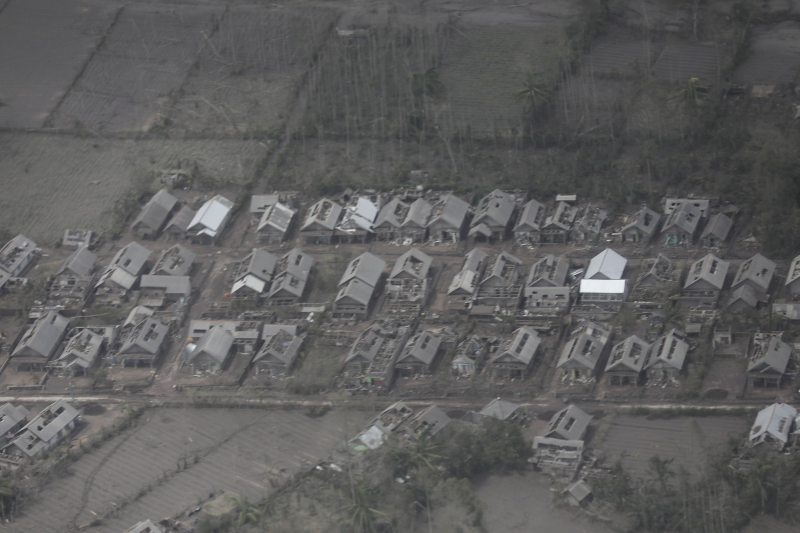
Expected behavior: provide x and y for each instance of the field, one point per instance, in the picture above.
(774, 56)
(174, 458)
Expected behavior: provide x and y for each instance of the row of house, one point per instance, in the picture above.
(262, 276)
(163, 213)
(27, 440)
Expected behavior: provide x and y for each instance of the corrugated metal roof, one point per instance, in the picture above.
(670, 349)
(277, 216)
(42, 338)
(174, 261)
(418, 213)
(366, 267)
(449, 210)
(357, 290)
(414, 263)
(719, 226)
(216, 343)
(710, 269)
(393, 214)
(608, 264)
(775, 420)
(80, 263)
(171, 284)
(602, 286)
(212, 215)
(250, 281)
(146, 337)
(494, 209)
(629, 355)
(570, 423)
(531, 218)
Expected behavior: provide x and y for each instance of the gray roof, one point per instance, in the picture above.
(608, 264)
(746, 294)
(418, 213)
(773, 422)
(549, 271)
(10, 416)
(628, 355)
(297, 263)
(758, 270)
(428, 422)
(42, 338)
(259, 263)
(499, 409)
(287, 283)
(501, 266)
(669, 350)
(465, 281)
(357, 290)
(366, 267)
(770, 355)
(174, 261)
(710, 269)
(422, 348)
(672, 204)
(82, 349)
(144, 527)
(449, 212)
(44, 427)
(686, 217)
(14, 254)
(569, 423)
(719, 226)
(521, 347)
(278, 217)
(130, 258)
(215, 343)
(80, 263)
(646, 222)
(155, 212)
(412, 264)
(146, 337)
(284, 347)
(794, 271)
(495, 209)
(475, 260)
(393, 214)
(532, 217)
(323, 215)
(182, 219)
(178, 285)
(585, 346)
(368, 344)
(562, 217)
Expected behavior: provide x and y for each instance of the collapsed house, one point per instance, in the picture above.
(72, 284)
(547, 285)
(154, 214)
(15, 257)
(81, 352)
(356, 223)
(40, 342)
(279, 352)
(122, 273)
(701, 204)
(159, 291)
(470, 355)
(588, 226)
(292, 273)
(75, 238)
(655, 284)
(626, 361)
(704, 283)
(666, 357)
(767, 364)
(357, 287)
(556, 228)
(418, 355)
(209, 222)
(320, 222)
(493, 217)
(515, 357)
(409, 282)
(581, 354)
(372, 358)
(174, 261)
(426, 424)
(12, 419)
(462, 289)
(643, 226)
(246, 333)
(559, 449)
(45, 430)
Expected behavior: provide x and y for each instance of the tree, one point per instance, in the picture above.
(247, 512)
(534, 93)
(362, 513)
(7, 496)
(427, 84)
(691, 92)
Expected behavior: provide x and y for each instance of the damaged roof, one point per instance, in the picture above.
(569, 423)
(521, 347)
(412, 264)
(758, 270)
(629, 355)
(710, 269)
(366, 267)
(422, 348)
(532, 217)
(80, 263)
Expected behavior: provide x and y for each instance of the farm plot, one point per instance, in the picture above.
(621, 55)
(247, 452)
(688, 441)
(52, 183)
(145, 57)
(43, 45)
(774, 56)
(681, 61)
(245, 77)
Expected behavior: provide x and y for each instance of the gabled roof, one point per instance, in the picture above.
(673, 204)
(686, 218)
(359, 217)
(368, 344)
(393, 214)
(286, 282)
(278, 217)
(182, 219)
(585, 346)
(413, 264)
(770, 355)
(548, 271)
(146, 337)
(608, 264)
(773, 422)
(14, 253)
(44, 427)
(174, 261)
(42, 338)
(10, 416)
(521, 347)
(262, 202)
(155, 212)
(495, 209)
(499, 409)
(323, 215)
(130, 258)
(562, 218)
(428, 422)
(82, 349)
(758, 270)
(80, 263)
(531, 218)
(357, 290)
(449, 210)
(710, 269)
(628, 355)
(463, 281)
(418, 213)
(366, 267)
(669, 349)
(297, 263)
(746, 294)
(283, 347)
(794, 271)
(719, 226)
(569, 423)
(503, 263)
(422, 348)
(211, 218)
(260, 264)
(646, 221)
(215, 343)
(176, 285)
(480, 229)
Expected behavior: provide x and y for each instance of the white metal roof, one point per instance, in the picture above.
(212, 214)
(608, 264)
(603, 286)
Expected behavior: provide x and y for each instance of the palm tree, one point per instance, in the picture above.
(361, 512)
(534, 92)
(427, 84)
(7, 495)
(692, 92)
(247, 511)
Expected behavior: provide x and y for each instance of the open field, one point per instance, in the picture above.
(247, 452)
(774, 56)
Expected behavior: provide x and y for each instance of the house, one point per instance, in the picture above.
(666, 356)
(372, 357)
(756, 272)
(503, 410)
(75, 238)
(626, 361)
(704, 283)
(179, 224)
(212, 351)
(502, 283)
(390, 219)
(493, 217)
(773, 425)
(588, 226)
(716, 231)
(157, 291)
(15, 257)
(470, 355)
(515, 356)
(788, 310)
(793, 277)
(767, 364)
(578, 494)
(426, 424)
(145, 527)
(246, 333)
(462, 289)
(356, 223)
(40, 341)
(80, 353)
(79, 264)
(253, 274)
(357, 286)
(45, 430)
(557, 226)
(259, 203)
(154, 214)
(745, 297)
(278, 353)
(292, 273)
(142, 344)
(658, 272)
(174, 261)
(122, 273)
(448, 218)
(681, 226)
(415, 225)
(409, 282)
(209, 222)
(529, 225)
(570, 423)
(643, 226)
(418, 355)
(12, 419)
(602, 296)
(582, 352)
(275, 223)
(320, 222)
(673, 204)
(547, 284)
(608, 264)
